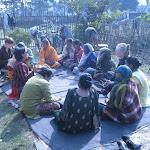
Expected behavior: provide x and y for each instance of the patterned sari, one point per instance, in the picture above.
(49, 56)
(105, 63)
(124, 104)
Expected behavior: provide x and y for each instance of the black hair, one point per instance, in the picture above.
(132, 60)
(77, 42)
(45, 41)
(18, 53)
(45, 71)
(70, 40)
(85, 80)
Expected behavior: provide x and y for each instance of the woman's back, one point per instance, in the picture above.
(80, 111)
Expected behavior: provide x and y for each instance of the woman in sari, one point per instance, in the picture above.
(48, 55)
(124, 103)
(104, 70)
(67, 54)
(88, 59)
(104, 64)
(77, 54)
(139, 77)
(80, 111)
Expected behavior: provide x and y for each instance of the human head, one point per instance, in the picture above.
(69, 42)
(21, 53)
(105, 53)
(122, 73)
(87, 48)
(77, 44)
(9, 42)
(21, 44)
(85, 81)
(46, 73)
(122, 50)
(133, 63)
(45, 43)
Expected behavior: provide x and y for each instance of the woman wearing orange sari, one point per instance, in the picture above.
(48, 55)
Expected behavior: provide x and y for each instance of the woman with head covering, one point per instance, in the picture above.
(124, 103)
(104, 64)
(48, 55)
(139, 77)
(31, 56)
(88, 59)
(80, 111)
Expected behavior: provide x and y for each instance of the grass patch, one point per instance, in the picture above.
(14, 131)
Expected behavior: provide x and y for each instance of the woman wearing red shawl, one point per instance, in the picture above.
(77, 54)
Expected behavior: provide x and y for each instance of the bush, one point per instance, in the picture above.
(20, 35)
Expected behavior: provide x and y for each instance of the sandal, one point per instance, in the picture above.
(122, 145)
(131, 143)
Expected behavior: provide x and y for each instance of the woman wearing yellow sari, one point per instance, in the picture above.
(48, 55)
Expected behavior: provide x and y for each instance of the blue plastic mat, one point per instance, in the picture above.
(47, 130)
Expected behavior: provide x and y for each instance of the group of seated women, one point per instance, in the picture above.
(82, 109)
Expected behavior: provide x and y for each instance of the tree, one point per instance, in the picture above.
(92, 13)
(39, 5)
(127, 4)
(12, 5)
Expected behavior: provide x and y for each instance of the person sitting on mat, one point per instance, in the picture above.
(77, 54)
(6, 53)
(68, 53)
(21, 72)
(48, 55)
(28, 61)
(31, 56)
(36, 98)
(104, 64)
(80, 111)
(104, 71)
(139, 77)
(88, 59)
(122, 51)
(124, 103)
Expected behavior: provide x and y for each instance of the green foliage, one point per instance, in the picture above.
(92, 13)
(20, 35)
(127, 4)
(39, 5)
(146, 17)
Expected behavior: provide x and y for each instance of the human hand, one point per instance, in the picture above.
(97, 75)
(81, 69)
(32, 67)
(59, 98)
(51, 63)
(107, 82)
(30, 57)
